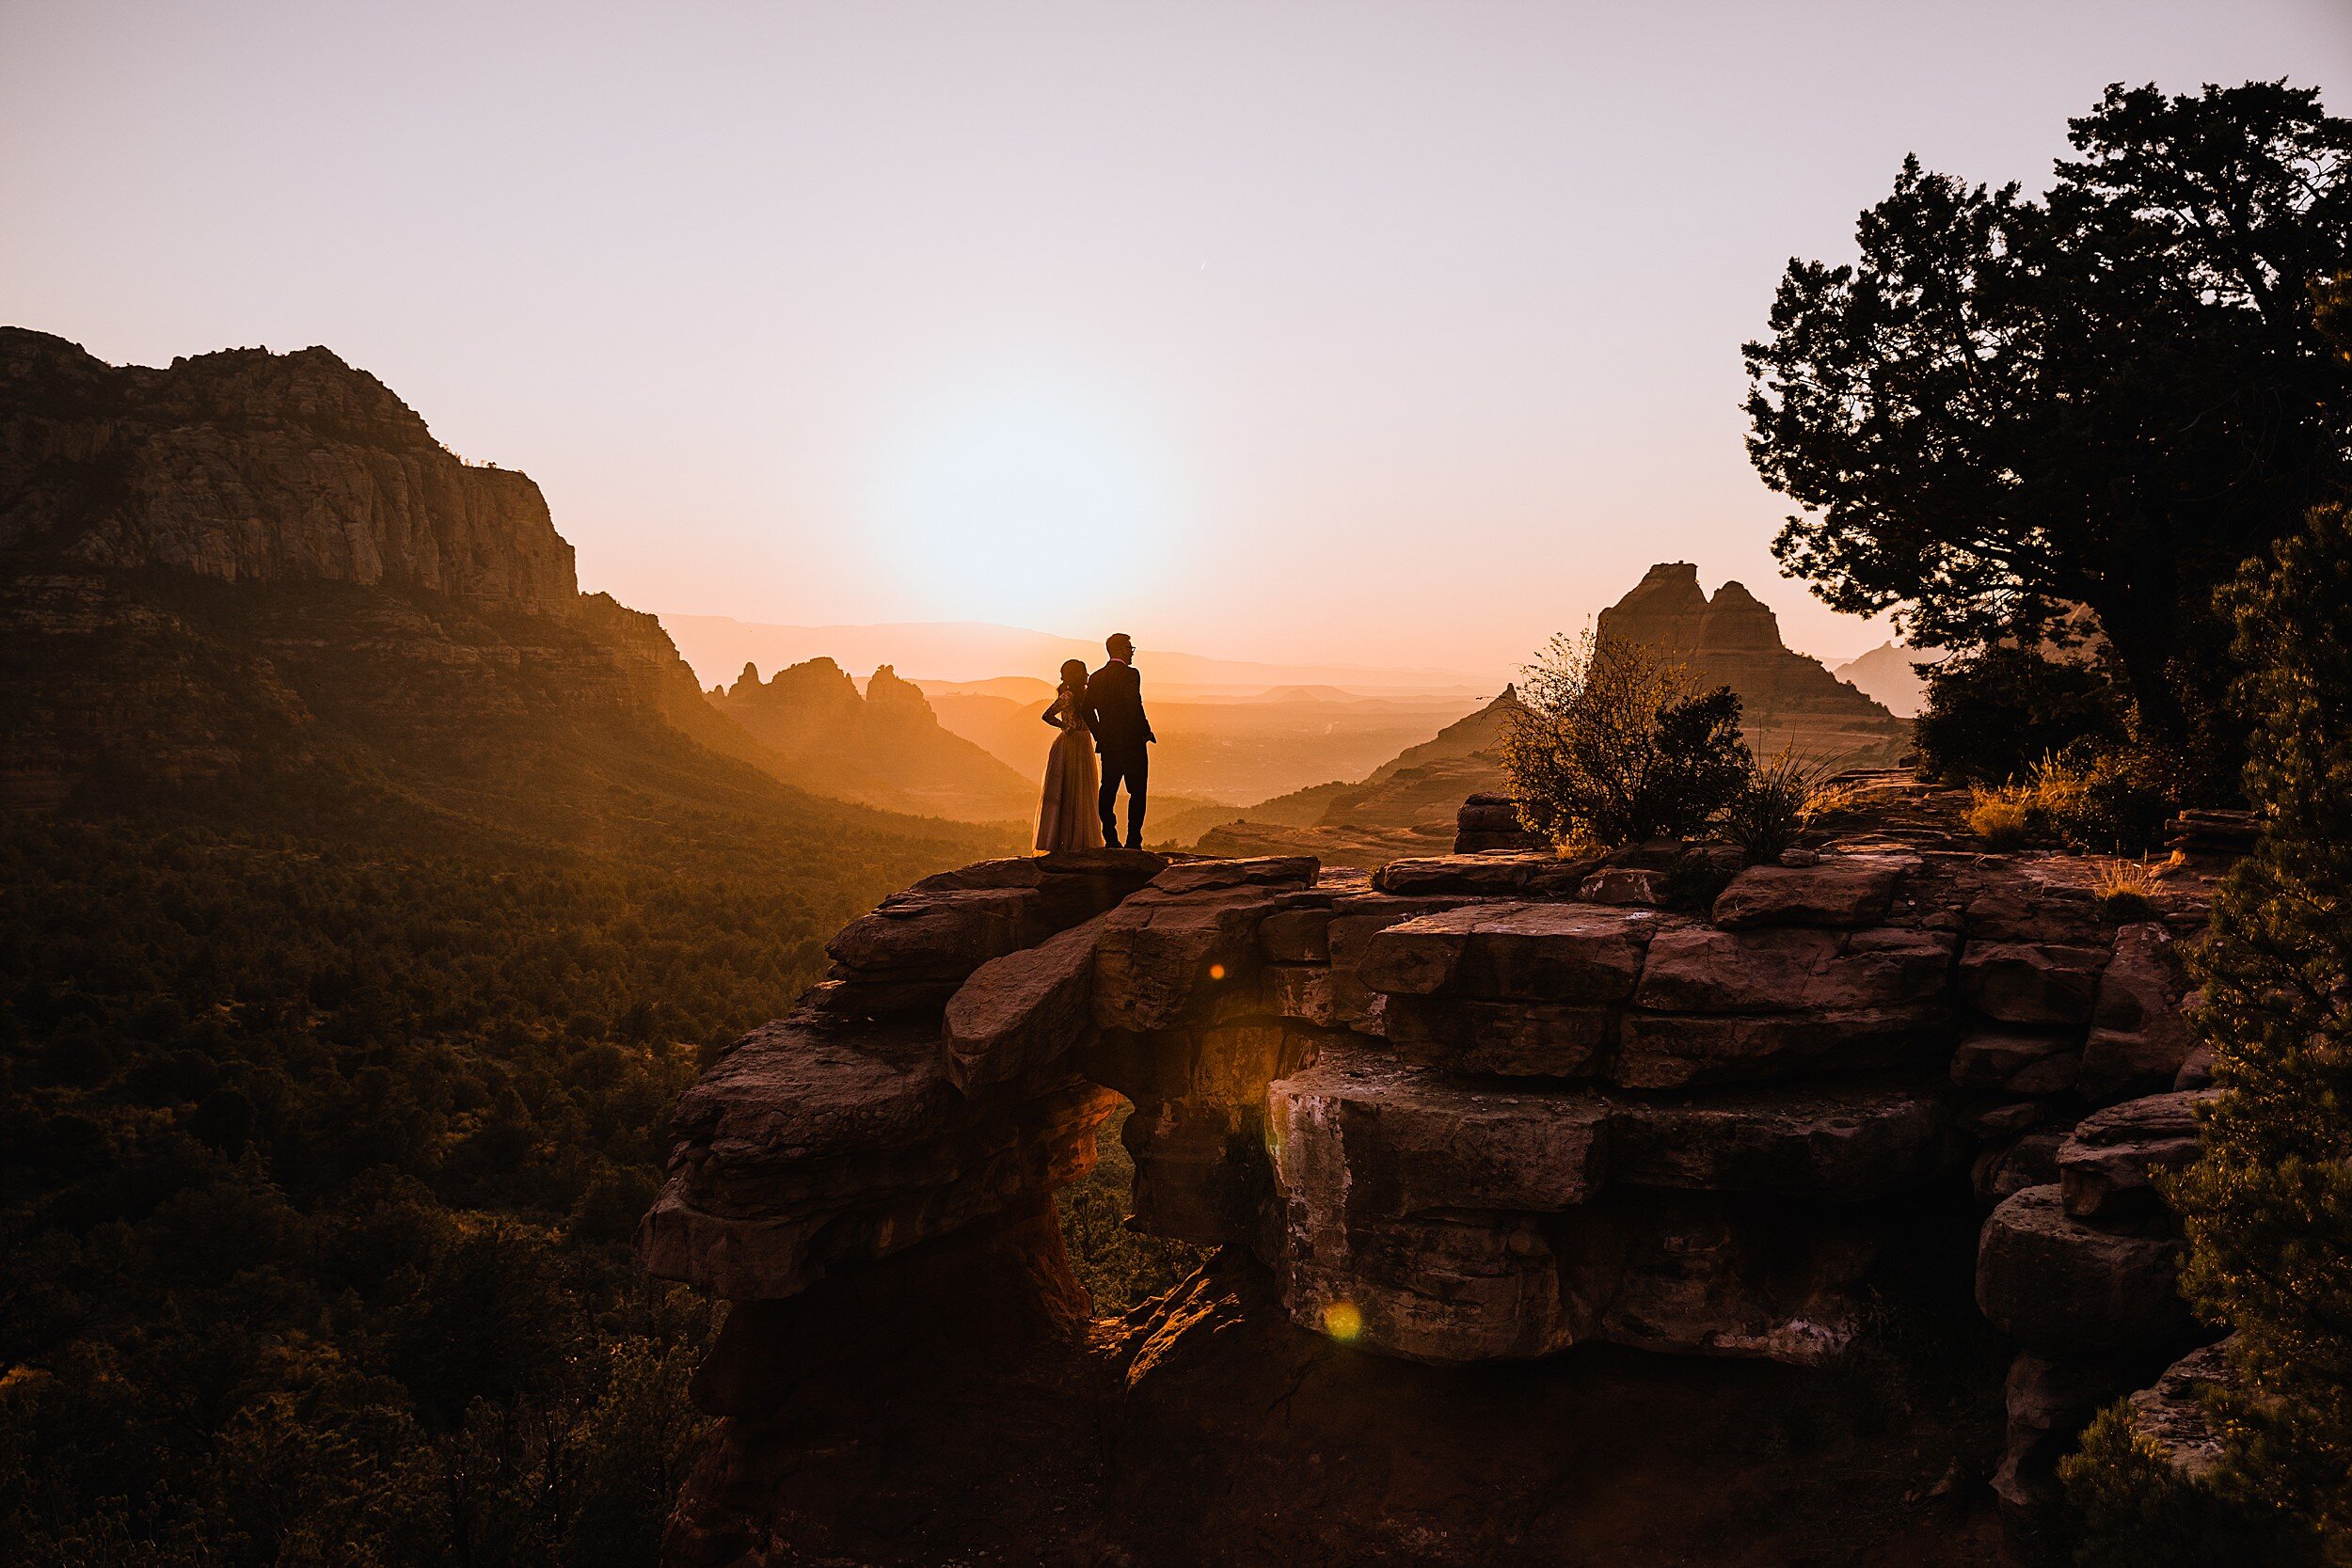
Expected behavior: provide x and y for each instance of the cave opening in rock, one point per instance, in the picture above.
(1120, 1267)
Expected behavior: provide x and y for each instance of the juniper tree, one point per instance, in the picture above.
(2268, 1204)
(2112, 395)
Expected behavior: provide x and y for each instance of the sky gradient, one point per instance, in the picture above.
(1363, 333)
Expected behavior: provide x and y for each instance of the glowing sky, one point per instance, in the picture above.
(1366, 332)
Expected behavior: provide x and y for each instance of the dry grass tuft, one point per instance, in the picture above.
(2126, 889)
(2003, 817)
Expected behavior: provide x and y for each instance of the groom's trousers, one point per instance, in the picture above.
(1133, 767)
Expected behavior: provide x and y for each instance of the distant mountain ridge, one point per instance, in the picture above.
(882, 746)
(1887, 677)
(1405, 806)
(963, 652)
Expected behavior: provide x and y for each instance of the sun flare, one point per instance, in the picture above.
(1025, 503)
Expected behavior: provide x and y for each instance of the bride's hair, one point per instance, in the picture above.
(1073, 675)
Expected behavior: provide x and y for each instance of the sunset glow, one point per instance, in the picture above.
(1234, 325)
(1021, 502)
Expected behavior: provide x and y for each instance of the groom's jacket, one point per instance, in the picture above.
(1115, 710)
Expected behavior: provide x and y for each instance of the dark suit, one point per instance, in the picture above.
(1114, 713)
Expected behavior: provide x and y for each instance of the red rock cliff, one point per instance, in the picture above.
(246, 465)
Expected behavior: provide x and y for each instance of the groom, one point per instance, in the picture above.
(1115, 712)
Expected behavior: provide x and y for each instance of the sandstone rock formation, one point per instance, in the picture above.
(1479, 1107)
(1415, 803)
(244, 465)
(251, 563)
(1734, 639)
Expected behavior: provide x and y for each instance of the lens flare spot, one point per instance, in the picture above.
(1342, 1321)
(1216, 971)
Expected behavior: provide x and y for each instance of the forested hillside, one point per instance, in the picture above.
(365, 900)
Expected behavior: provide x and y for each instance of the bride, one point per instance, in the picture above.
(1068, 816)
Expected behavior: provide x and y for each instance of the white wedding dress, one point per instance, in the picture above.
(1068, 816)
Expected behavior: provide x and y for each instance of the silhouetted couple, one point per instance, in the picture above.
(1098, 713)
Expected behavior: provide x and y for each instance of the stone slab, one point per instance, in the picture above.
(2104, 1166)
(1022, 1011)
(2062, 1286)
(1514, 951)
(1525, 1040)
(1697, 968)
(1838, 890)
(1676, 1051)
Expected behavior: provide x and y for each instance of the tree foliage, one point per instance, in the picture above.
(1610, 745)
(2268, 1204)
(1990, 717)
(324, 1127)
(2136, 1511)
(2110, 396)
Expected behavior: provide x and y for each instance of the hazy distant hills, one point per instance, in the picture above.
(883, 746)
(1232, 750)
(1885, 674)
(1405, 806)
(964, 652)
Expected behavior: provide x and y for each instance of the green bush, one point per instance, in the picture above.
(1611, 745)
(1780, 797)
(2108, 798)
(1991, 717)
(2135, 1511)
(2268, 1204)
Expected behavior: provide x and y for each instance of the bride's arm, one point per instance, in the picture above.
(1053, 712)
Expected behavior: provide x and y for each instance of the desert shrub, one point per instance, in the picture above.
(1611, 744)
(1990, 717)
(2088, 797)
(2107, 798)
(1779, 800)
(2267, 1205)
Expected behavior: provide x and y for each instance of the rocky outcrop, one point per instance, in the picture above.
(250, 563)
(2172, 1417)
(247, 466)
(1486, 1107)
(1734, 639)
(2083, 1273)
(1487, 822)
(815, 1144)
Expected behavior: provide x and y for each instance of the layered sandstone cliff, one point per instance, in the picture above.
(247, 466)
(251, 563)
